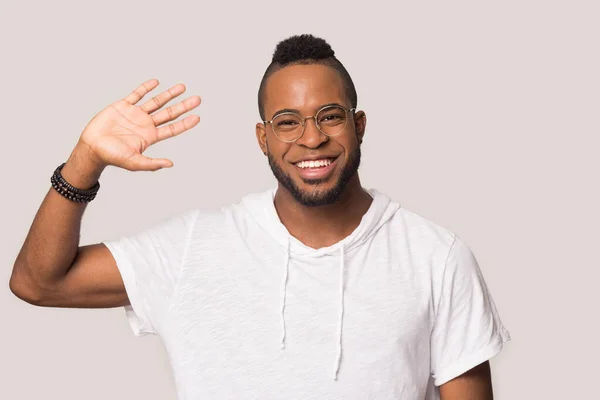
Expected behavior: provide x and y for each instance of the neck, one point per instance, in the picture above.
(326, 225)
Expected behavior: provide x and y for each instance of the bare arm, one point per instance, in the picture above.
(51, 268)
(475, 384)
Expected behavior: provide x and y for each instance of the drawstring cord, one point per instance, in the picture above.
(340, 308)
(284, 292)
(341, 315)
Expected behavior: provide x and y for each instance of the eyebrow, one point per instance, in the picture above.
(286, 110)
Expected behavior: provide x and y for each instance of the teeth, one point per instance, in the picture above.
(314, 164)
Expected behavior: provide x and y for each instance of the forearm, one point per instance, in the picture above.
(53, 239)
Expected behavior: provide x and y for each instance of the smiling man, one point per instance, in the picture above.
(316, 289)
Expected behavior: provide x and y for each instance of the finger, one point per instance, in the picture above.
(174, 111)
(160, 100)
(178, 127)
(141, 91)
(140, 162)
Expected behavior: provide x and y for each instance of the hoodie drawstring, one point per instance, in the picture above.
(340, 308)
(341, 314)
(284, 292)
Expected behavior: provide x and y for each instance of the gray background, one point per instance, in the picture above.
(481, 117)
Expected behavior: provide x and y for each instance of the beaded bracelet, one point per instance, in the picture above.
(69, 191)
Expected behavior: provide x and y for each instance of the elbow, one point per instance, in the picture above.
(25, 292)
(25, 288)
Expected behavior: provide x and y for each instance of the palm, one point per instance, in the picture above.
(120, 133)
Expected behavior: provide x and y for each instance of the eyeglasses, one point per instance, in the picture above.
(330, 120)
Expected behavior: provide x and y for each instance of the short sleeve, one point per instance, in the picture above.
(149, 263)
(467, 329)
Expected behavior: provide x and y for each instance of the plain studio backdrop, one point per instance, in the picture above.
(481, 117)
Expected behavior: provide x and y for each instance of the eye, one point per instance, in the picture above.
(332, 117)
(286, 122)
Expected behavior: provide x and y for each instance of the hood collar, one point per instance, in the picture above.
(261, 208)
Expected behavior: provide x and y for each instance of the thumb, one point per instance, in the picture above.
(140, 162)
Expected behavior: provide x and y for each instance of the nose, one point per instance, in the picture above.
(312, 136)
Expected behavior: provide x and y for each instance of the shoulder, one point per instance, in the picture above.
(421, 231)
(232, 217)
(424, 240)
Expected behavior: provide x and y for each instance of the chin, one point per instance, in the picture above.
(316, 197)
(317, 194)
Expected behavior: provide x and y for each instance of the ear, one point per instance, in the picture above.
(360, 125)
(261, 137)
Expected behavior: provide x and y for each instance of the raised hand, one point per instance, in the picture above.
(119, 134)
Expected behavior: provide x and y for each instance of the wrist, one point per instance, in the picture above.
(83, 168)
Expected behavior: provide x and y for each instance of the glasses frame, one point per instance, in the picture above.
(304, 121)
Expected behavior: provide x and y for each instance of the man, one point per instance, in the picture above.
(318, 289)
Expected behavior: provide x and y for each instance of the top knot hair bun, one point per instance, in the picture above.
(302, 47)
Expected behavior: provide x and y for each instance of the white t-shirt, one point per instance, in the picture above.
(247, 311)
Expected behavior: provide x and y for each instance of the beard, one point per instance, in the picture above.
(317, 197)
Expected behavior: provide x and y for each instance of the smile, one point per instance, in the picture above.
(316, 169)
(314, 163)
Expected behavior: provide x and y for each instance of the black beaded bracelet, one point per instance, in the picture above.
(69, 191)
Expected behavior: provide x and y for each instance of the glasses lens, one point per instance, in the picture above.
(287, 126)
(332, 120)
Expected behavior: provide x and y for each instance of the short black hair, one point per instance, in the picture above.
(305, 49)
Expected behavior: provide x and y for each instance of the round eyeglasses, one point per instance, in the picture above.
(330, 120)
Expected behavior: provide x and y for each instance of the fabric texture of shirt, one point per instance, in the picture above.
(247, 311)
